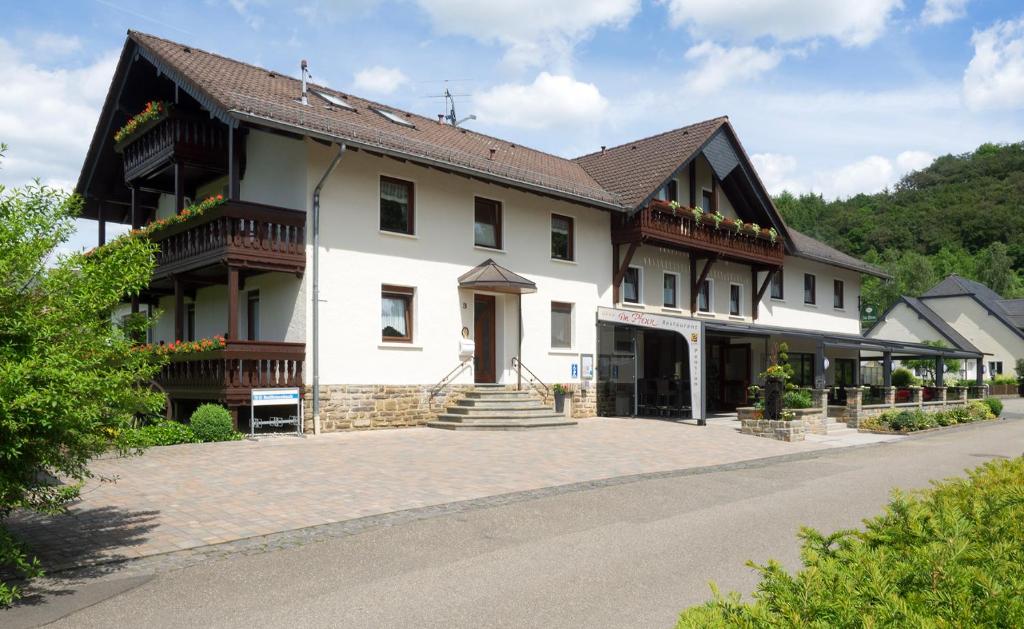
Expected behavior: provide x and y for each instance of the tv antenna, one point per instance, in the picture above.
(449, 104)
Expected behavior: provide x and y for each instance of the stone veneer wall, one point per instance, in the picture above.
(373, 406)
(807, 420)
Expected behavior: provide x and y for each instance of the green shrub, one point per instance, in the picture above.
(212, 422)
(161, 433)
(995, 405)
(1004, 379)
(797, 399)
(943, 418)
(978, 410)
(903, 378)
(951, 556)
(960, 415)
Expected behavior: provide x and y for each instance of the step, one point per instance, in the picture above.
(499, 395)
(536, 424)
(467, 411)
(508, 405)
(472, 419)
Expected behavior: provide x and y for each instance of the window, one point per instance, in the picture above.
(395, 118)
(561, 237)
(669, 283)
(190, 322)
(672, 190)
(252, 316)
(803, 369)
(487, 223)
(631, 286)
(777, 285)
(706, 201)
(396, 206)
(837, 293)
(704, 297)
(334, 100)
(561, 325)
(995, 368)
(810, 297)
(396, 313)
(734, 300)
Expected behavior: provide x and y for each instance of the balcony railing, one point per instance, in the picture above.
(230, 374)
(242, 234)
(180, 136)
(658, 224)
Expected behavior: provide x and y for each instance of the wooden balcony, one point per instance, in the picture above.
(248, 236)
(196, 141)
(658, 225)
(229, 375)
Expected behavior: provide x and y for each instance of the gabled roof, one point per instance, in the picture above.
(637, 169)
(954, 285)
(489, 275)
(940, 325)
(1009, 312)
(1014, 309)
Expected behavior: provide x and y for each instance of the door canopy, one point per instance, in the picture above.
(491, 276)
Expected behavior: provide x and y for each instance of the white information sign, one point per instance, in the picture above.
(690, 329)
(275, 397)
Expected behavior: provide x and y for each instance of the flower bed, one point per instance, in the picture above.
(179, 348)
(154, 109)
(716, 220)
(191, 212)
(905, 421)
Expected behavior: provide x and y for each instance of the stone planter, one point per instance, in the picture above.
(793, 430)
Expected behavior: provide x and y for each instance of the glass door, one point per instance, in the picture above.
(616, 365)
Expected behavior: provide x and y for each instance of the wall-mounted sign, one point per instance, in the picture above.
(575, 371)
(587, 366)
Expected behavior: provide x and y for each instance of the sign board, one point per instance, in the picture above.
(275, 397)
(691, 330)
(575, 371)
(587, 366)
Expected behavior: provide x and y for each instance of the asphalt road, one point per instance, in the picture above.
(626, 555)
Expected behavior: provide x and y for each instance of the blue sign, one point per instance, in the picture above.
(575, 370)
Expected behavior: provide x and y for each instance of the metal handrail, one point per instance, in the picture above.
(533, 380)
(446, 381)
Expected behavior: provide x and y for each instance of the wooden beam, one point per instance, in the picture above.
(179, 186)
(710, 261)
(714, 192)
(760, 291)
(233, 303)
(179, 309)
(234, 185)
(620, 273)
(693, 182)
(101, 219)
(615, 269)
(693, 283)
(136, 211)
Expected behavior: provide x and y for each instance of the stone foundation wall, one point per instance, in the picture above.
(584, 401)
(807, 420)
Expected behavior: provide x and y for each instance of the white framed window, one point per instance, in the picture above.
(838, 294)
(670, 290)
(777, 286)
(707, 200)
(810, 289)
(735, 300)
(396, 313)
(632, 285)
(561, 324)
(706, 296)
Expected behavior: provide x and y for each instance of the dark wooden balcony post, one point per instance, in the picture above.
(233, 303)
(136, 217)
(179, 309)
(102, 221)
(234, 186)
(179, 187)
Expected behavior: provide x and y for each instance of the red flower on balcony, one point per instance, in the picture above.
(154, 109)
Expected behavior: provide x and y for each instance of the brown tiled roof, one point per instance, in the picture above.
(635, 169)
(247, 92)
(806, 247)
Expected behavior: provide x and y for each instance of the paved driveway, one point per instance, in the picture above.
(179, 497)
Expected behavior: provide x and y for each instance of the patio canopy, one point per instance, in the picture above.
(491, 276)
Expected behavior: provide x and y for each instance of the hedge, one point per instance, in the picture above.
(950, 556)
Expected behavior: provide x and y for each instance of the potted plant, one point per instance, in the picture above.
(560, 391)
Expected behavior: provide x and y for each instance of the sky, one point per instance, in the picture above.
(828, 96)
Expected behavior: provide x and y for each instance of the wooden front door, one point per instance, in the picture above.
(484, 325)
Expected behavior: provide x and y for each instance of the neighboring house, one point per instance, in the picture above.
(963, 314)
(432, 235)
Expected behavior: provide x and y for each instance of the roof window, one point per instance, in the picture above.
(334, 100)
(395, 118)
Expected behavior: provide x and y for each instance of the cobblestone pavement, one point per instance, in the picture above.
(189, 496)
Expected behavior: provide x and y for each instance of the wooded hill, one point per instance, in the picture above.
(962, 214)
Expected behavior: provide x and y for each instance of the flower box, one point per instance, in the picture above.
(154, 113)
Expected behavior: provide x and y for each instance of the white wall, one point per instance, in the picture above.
(792, 312)
(903, 324)
(357, 259)
(983, 330)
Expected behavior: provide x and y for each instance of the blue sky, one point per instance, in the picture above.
(831, 96)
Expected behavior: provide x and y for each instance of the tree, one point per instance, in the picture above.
(927, 365)
(69, 377)
(995, 269)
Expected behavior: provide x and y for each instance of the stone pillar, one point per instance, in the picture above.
(854, 404)
(889, 395)
(940, 395)
(820, 397)
(915, 395)
(963, 395)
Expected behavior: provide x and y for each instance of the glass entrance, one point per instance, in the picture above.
(616, 370)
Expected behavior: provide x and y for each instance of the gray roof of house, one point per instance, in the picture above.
(1009, 311)
(812, 249)
(1014, 310)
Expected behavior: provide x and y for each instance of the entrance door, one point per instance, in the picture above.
(484, 325)
(735, 375)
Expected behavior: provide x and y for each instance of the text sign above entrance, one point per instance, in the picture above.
(274, 397)
(690, 329)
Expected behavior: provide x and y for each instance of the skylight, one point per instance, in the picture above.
(395, 118)
(334, 100)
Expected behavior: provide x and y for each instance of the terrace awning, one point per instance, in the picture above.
(491, 276)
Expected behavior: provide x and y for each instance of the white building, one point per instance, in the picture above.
(431, 235)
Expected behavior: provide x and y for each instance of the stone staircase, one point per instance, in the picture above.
(492, 407)
(837, 429)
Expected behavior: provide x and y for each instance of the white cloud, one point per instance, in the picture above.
(718, 66)
(908, 161)
(777, 172)
(533, 32)
(241, 7)
(851, 23)
(994, 78)
(47, 116)
(942, 11)
(551, 101)
(868, 175)
(49, 45)
(379, 80)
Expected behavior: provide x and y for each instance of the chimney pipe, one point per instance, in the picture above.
(602, 148)
(305, 71)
